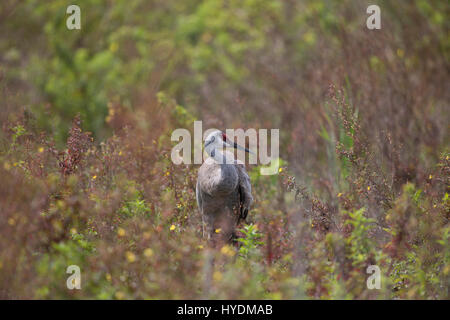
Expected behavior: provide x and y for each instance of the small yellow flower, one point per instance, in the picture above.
(430, 177)
(200, 246)
(11, 221)
(94, 177)
(280, 170)
(148, 252)
(121, 232)
(227, 250)
(60, 204)
(108, 277)
(113, 47)
(7, 166)
(339, 194)
(120, 153)
(446, 270)
(217, 276)
(73, 230)
(277, 295)
(172, 227)
(312, 225)
(167, 173)
(218, 230)
(435, 205)
(41, 149)
(120, 295)
(131, 257)
(368, 188)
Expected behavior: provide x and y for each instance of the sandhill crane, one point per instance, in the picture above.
(223, 188)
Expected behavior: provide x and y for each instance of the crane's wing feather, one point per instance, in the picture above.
(245, 191)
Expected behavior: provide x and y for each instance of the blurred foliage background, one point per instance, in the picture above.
(363, 118)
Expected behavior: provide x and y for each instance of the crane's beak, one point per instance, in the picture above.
(236, 146)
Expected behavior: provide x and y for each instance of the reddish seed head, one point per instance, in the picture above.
(224, 136)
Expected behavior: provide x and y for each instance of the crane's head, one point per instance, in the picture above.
(219, 140)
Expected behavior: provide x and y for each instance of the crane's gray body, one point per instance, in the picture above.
(223, 196)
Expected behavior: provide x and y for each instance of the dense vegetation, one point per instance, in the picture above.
(85, 146)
